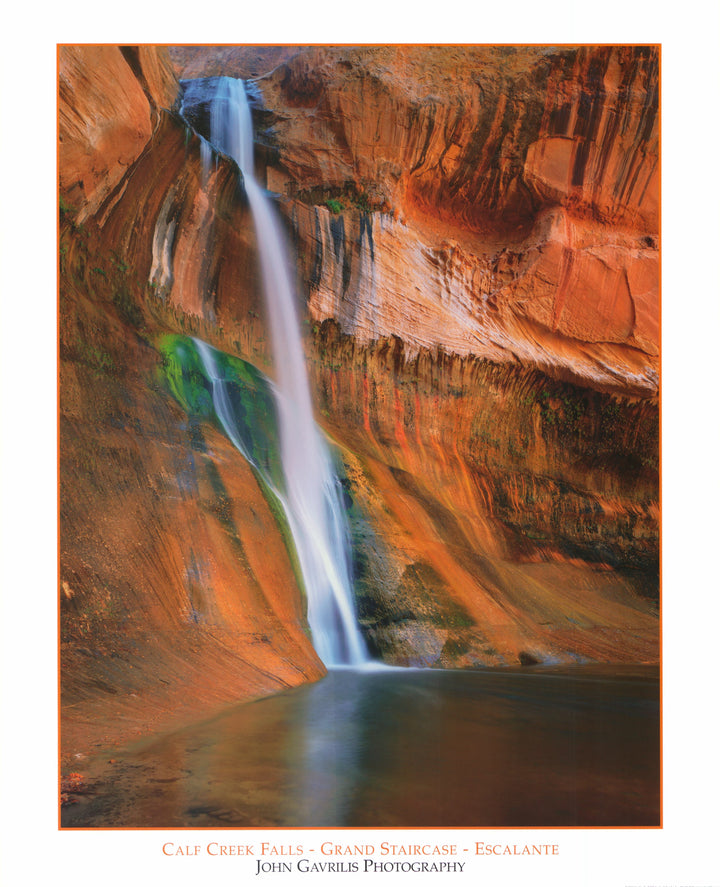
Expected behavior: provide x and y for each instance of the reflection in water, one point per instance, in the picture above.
(404, 748)
(329, 740)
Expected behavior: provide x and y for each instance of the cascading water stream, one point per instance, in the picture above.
(313, 496)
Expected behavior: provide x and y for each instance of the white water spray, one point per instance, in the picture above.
(313, 500)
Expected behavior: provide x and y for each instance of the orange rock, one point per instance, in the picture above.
(178, 594)
(104, 122)
(522, 195)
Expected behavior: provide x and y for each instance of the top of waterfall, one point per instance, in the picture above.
(231, 123)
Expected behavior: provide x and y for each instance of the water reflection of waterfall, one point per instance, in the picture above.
(313, 495)
(329, 739)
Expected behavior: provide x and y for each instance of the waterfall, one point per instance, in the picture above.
(313, 496)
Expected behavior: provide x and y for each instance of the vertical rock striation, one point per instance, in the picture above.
(514, 189)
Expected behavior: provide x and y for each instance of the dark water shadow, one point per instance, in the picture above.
(404, 748)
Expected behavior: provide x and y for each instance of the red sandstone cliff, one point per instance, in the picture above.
(516, 192)
(177, 595)
(476, 232)
(453, 206)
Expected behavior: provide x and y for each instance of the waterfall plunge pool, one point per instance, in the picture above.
(403, 748)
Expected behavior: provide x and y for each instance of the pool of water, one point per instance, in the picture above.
(403, 748)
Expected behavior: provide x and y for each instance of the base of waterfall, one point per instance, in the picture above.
(391, 747)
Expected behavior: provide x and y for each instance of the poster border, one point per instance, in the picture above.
(682, 851)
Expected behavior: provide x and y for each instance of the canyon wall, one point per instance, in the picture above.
(178, 595)
(476, 232)
(514, 199)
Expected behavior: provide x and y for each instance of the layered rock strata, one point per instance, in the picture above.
(509, 200)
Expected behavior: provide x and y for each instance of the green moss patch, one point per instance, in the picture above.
(247, 394)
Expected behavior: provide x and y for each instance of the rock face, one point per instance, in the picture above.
(486, 525)
(477, 247)
(177, 592)
(477, 231)
(227, 61)
(108, 103)
(516, 198)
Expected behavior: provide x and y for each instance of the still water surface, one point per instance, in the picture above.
(405, 748)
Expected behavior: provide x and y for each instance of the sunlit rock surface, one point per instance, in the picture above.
(109, 98)
(514, 191)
